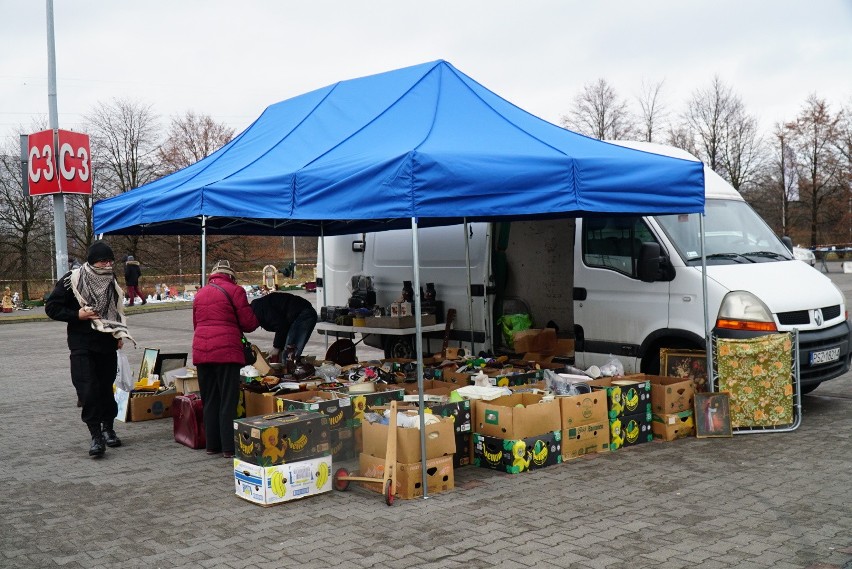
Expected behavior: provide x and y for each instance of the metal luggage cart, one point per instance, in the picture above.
(795, 381)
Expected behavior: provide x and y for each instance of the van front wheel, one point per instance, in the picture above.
(400, 347)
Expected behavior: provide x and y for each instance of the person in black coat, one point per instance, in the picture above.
(90, 301)
(132, 274)
(291, 317)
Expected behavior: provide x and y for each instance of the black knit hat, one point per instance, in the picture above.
(99, 251)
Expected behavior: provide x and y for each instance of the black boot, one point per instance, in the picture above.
(110, 437)
(98, 447)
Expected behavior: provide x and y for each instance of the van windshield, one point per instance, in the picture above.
(734, 233)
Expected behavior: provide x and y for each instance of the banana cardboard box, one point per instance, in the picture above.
(625, 396)
(464, 450)
(279, 438)
(409, 477)
(673, 426)
(268, 485)
(581, 440)
(342, 443)
(583, 409)
(459, 411)
(516, 416)
(629, 430)
(671, 394)
(520, 455)
(440, 440)
(336, 406)
(364, 403)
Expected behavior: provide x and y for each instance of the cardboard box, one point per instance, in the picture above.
(673, 425)
(585, 439)
(516, 416)
(671, 394)
(430, 386)
(259, 403)
(336, 406)
(367, 402)
(583, 409)
(409, 477)
(440, 440)
(629, 430)
(626, 396)
(535, 340)
(144, 407)
(342, 443)
(464, 450)
(400, 322)
(514, 456)
(280, 438)
(269, 485)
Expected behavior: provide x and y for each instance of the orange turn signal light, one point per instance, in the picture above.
(747, 325)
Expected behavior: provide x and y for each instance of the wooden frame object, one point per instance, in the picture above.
(149, 363)
(713, 415)
(688, 364)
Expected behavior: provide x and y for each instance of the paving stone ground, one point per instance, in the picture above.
(780, 500)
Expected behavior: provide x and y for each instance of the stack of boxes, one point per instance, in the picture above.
(672, 403)
(281, 457)
(338, 408)
(585, 424)
(517, 432)
(629, 409)
(440, 448)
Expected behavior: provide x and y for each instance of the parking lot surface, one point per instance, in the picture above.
(779, 500)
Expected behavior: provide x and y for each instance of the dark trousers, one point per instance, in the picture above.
(132, 292)
(93, 374)
(220, 394)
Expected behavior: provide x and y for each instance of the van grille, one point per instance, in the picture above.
(801, 317)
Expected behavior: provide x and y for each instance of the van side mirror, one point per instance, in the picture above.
(653, 265)
(788, 242)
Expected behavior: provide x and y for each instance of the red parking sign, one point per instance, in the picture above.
(41, 164)
(67, 170)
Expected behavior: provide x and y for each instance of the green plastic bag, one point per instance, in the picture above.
(511, 323)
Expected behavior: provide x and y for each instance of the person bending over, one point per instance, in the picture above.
(291, 317)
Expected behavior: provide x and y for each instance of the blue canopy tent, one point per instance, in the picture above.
(420, 146)
(372, 153)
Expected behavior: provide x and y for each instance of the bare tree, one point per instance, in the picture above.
(679, 136)
(707, 117)
(653, 109)
(600, 113)
(742, 155)
(818, 166)
(124, 137)
(191, 138)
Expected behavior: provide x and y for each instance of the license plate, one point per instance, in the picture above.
(825, 356)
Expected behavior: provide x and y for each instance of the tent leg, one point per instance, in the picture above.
(203, 250)
(418, 340)
(469, 284)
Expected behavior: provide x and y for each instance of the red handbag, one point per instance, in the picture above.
(188, 417)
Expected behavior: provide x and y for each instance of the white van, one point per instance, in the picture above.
(635, 282)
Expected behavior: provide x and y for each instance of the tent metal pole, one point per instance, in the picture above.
(708, 338)
(324, 282)
(418, 341)
(469, 285)
(203, 250)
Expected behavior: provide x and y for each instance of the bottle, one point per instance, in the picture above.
(407, 292)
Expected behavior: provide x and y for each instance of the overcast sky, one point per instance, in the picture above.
(231, 59)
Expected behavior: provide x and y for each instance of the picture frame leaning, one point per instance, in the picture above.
(713, 415)
(688, 364)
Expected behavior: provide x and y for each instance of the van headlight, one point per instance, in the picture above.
(742, 310)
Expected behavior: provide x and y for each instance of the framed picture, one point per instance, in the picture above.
(712, 415)
(689, 364)
(149, 363)
(169, 362)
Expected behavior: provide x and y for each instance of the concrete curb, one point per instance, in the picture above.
(38, 315)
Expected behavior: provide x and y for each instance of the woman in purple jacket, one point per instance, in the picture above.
(220, 315)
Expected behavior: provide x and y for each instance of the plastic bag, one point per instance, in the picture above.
(511, 323)
(612, 368)
(123, 375)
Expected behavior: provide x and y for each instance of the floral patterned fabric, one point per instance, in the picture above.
(757, 373)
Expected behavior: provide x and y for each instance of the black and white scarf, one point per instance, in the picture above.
(97, 287)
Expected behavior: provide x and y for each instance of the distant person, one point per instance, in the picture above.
(132, 274)
(90, 301)
(291, 317)
(220, 315)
